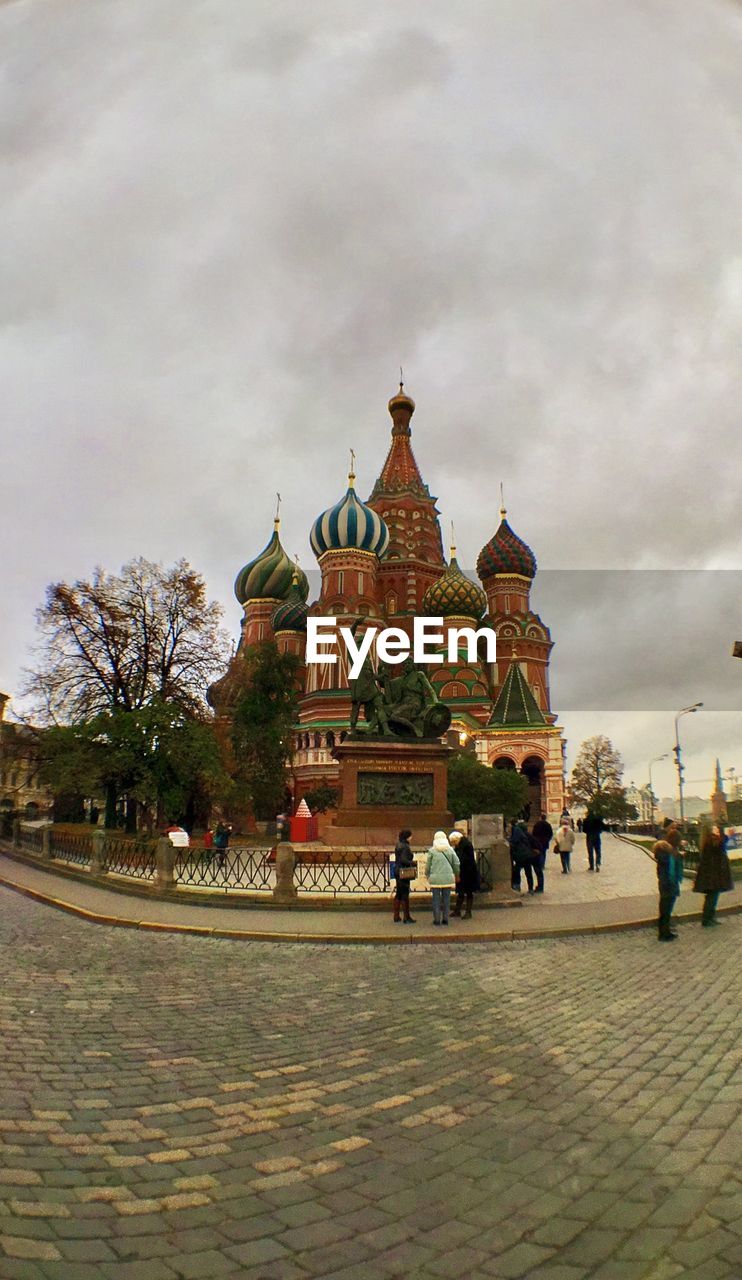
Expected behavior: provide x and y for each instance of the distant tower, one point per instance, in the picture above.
(414, 558)
(718, 799)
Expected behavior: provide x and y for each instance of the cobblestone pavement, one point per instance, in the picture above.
(626, 871)
(188, 1107)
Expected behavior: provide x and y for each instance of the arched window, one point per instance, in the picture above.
(330, 740)
(317, 740)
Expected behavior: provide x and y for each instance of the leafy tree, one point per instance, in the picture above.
(322, 798)
(120, 642)
(160, 758)
(475, 788)
(614, 807)
(596, 777)
(263, 716)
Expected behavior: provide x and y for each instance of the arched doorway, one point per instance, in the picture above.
(503, 762)
(533, 770)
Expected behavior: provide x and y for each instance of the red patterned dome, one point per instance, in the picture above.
(506, 553)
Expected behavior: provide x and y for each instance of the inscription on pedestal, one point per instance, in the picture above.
(388, 789)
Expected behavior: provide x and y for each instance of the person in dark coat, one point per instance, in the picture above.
(714, 874)
(669, 861)
(542, 833)
(403, 858)
(468, 882)
(523, 852)
(593, 826)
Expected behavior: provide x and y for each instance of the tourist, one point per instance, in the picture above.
(404, 862)
(714, 874)
(564, 816)
(442, 870)
(666, 853)
(468, 883)
(522, 854)
(563, 845)
(542, 833)
(593, 826)
(221, 841)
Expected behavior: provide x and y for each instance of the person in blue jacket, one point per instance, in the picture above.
(669, 861)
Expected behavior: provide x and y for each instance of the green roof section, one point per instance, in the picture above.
(516, 706)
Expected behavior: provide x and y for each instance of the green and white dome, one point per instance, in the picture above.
(270, 575)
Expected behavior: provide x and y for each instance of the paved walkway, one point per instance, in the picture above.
(622, 896)
(177, 1108)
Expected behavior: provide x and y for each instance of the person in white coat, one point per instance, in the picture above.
(564, 844)
(442, 870)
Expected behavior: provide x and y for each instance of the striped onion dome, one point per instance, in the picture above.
(454, 595)
(506, 553)
(349, 524)
(291, 615)
(270, 575)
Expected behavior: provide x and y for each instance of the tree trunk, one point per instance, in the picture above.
(131, 816)
(110, 819)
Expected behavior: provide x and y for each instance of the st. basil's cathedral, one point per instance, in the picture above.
(383, 559)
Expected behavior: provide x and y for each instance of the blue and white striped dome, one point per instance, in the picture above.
(350, 523)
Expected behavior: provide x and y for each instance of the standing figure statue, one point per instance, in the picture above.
(365, 692)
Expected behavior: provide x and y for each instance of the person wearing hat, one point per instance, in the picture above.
(468, 882)
(669, 859)
(442, 870)
(564, 844)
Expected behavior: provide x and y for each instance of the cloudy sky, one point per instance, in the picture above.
(223, 226)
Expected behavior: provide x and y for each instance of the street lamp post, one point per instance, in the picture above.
(651, 791)
(685, 711)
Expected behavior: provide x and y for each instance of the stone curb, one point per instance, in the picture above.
(254, 935)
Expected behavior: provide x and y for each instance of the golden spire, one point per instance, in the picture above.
(352, 472)
(277, 516)
(503, 511)
(453, 542)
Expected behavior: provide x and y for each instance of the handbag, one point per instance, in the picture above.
(407, 873)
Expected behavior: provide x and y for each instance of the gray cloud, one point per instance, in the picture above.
(224, 226)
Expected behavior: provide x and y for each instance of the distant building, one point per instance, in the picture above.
(641, 799)
(383, 560)
(718, 798)
(21, 792)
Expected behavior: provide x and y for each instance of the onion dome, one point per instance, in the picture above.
(401, 407)
(454, 595)
(291, 615)
(270, 575)
(506, 553)
(351, 525)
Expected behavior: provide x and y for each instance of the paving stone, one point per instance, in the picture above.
(612, 1135)
(521, 1260)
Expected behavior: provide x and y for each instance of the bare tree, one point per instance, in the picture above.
(115, 643)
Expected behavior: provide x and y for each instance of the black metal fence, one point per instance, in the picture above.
(225, 869)
(130, 857)
(32, 838)
(366, 872)
(71, 847)
(359, 872)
